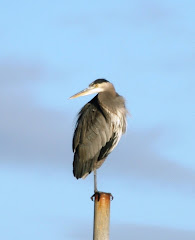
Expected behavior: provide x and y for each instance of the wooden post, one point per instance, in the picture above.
(101, 223)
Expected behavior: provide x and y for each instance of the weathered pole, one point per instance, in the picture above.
(101, 224)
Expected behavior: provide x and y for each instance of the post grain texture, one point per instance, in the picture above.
(101, 216)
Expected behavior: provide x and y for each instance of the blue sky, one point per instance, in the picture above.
(50, 50)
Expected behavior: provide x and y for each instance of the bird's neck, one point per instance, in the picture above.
(109, 91)
(107, 99)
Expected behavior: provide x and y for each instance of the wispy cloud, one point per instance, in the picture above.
(30, 132)
(137, 157)
(16, 71)
(141, 232)
(138, 14)
(26, 130)
(138, 232)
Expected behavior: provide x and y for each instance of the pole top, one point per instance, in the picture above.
(103, 195)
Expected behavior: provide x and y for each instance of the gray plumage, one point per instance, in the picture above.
(99, 127)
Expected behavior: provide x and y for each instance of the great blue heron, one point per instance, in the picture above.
(100, 125)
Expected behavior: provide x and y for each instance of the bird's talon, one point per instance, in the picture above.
(98, 193)
(111, 197)
(93, 196)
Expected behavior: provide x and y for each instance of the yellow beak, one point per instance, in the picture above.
(87, 91)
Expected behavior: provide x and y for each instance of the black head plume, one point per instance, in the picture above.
(98, 81)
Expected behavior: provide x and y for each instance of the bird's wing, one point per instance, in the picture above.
(92, 134)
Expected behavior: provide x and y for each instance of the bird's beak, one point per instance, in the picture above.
(87, 91)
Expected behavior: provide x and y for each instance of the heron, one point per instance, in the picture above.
(99, 127)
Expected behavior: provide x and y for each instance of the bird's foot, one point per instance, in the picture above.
(98, 194)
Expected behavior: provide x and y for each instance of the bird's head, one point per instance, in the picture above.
(99, 85)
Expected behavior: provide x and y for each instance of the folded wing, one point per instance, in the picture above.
(93, 138)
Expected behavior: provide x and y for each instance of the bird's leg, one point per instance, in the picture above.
(95, 181)
(95, 186)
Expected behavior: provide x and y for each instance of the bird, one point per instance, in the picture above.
(99, 127)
